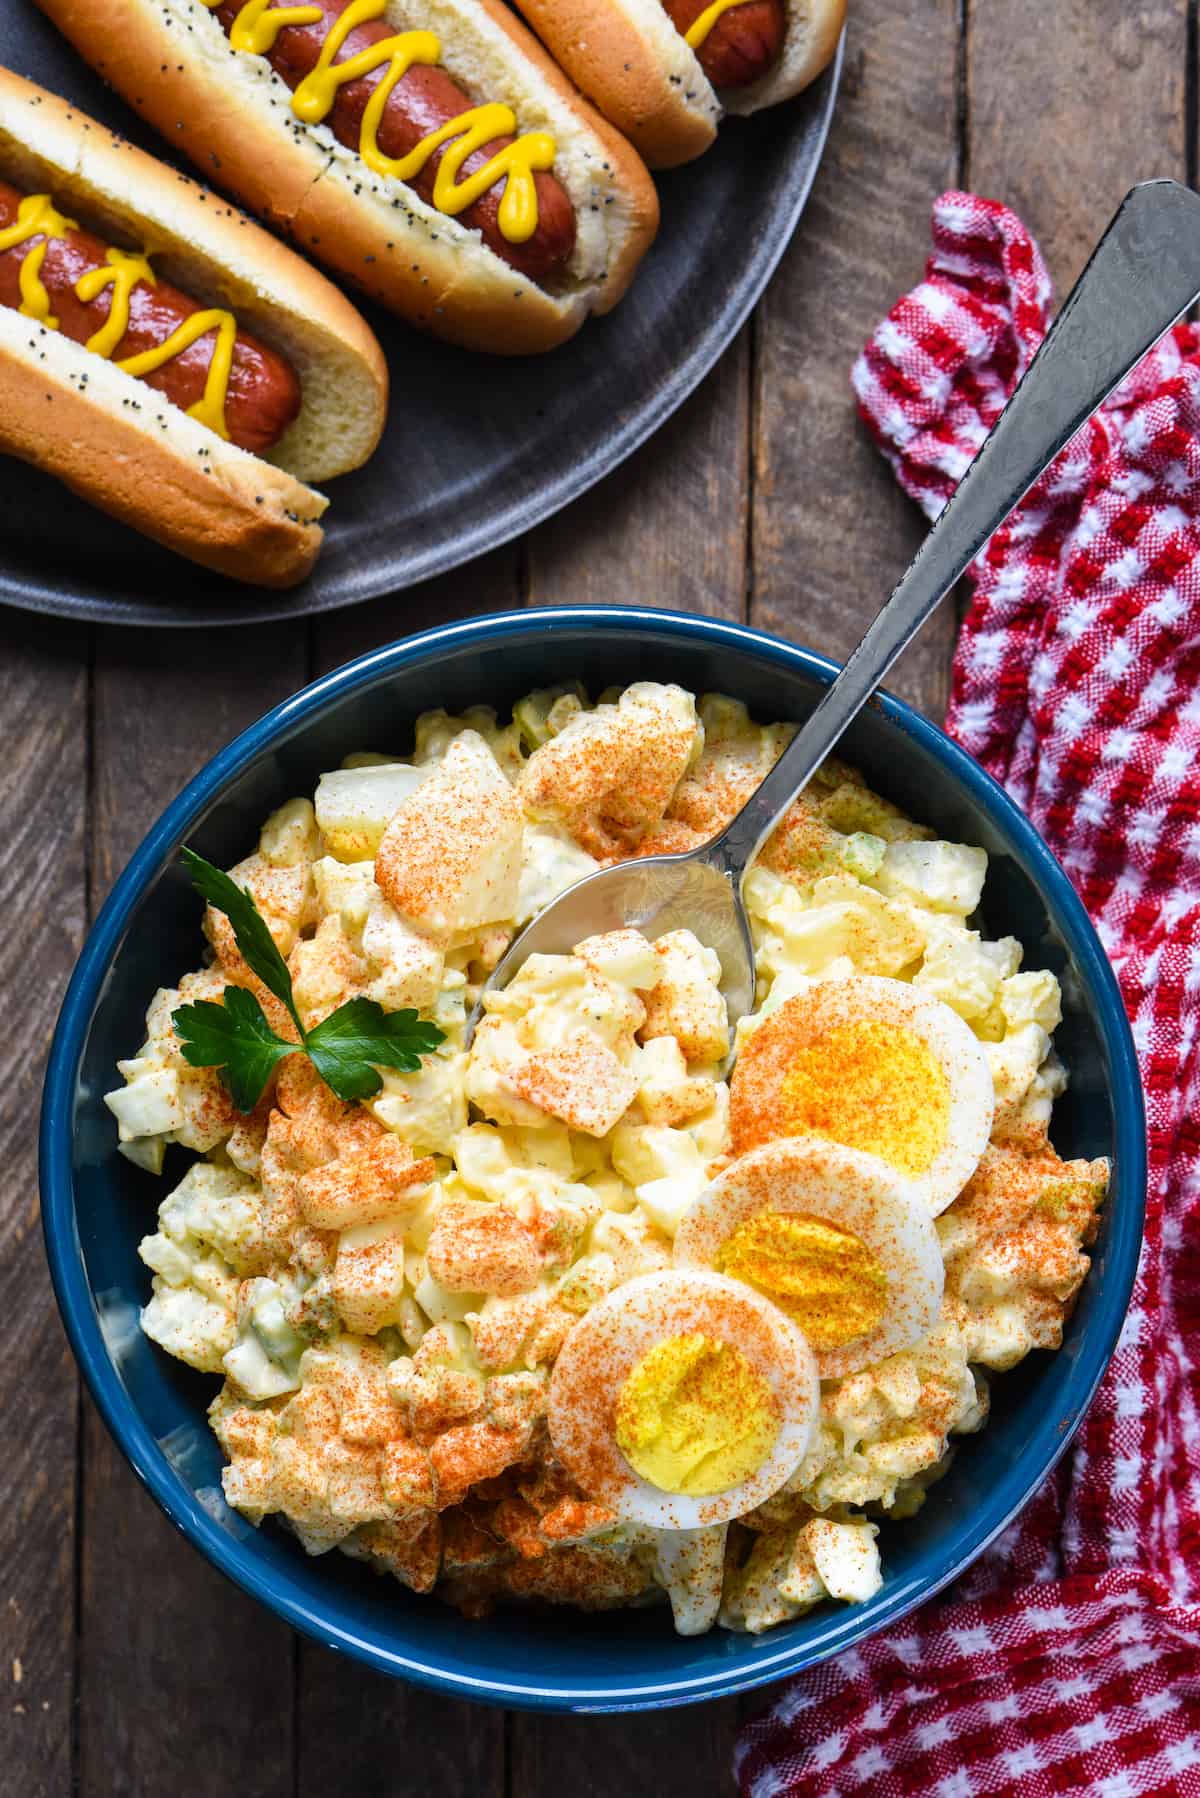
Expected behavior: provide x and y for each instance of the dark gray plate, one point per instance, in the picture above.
(477, 449)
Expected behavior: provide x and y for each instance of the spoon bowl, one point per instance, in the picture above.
(655, 894)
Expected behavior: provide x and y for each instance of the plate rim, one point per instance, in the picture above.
(526, 511)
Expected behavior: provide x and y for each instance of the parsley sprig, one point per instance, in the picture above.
(347, 1048)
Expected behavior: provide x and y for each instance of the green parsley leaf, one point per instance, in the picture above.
(250, 932)
(346, 1048)
(234, 1037)
(359, 1037)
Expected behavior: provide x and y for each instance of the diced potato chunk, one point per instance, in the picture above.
(581, 1082)
(609, 773)
(356, 805)
(450, 859)
(687, 1003)
(359, 1189)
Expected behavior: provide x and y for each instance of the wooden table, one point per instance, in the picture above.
(128, 1665)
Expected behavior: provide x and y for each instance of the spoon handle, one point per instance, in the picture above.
(1144, 273)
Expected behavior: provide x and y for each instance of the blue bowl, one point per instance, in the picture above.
(96, 1206)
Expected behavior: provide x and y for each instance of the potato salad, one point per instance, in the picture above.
(576, 1315)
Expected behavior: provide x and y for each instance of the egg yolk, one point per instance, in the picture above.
(694, 1417)
(823, 1276)
(871, 1086)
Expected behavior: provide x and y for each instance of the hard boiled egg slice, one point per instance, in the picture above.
(876, 1065)
(683, 1399)
(838, 1240)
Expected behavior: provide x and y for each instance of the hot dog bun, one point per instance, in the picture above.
(632, 63)
(231, 113)
(118, 442)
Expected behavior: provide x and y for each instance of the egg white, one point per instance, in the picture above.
(953, 1044)
(604, 1346)
(844, 1187)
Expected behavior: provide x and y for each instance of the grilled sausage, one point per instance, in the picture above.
(744, 43)
(263, 396)
(421, 102)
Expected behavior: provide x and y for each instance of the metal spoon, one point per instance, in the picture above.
(1143, 275)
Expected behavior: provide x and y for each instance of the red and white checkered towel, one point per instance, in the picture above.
(1068, 1658)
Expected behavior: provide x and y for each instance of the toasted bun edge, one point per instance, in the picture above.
(124, 449)
(623, 54)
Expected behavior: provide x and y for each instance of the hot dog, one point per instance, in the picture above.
(423, 101)
(429, 150)
(739, 46)
(664, 71)
(262, 395)
(155, 346)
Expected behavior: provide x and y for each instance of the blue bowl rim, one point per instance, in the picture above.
(64, 1253)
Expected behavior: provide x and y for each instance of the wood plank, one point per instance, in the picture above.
(363, 1734)
(43, 797)
(356, 1728)
(490, 584)
(668, 528)
(350, 1718)
(685, 1753)
(164, 703)
(458, 1749)
(831, 531)
(1041, 139)
(186, 1685)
